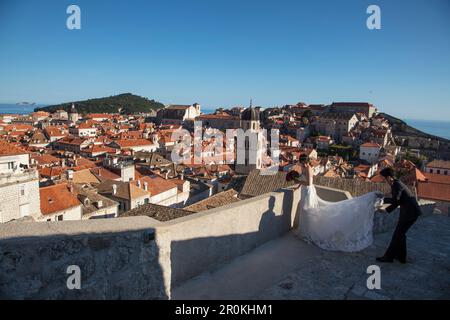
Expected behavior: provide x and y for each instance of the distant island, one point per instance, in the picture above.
(126, 103)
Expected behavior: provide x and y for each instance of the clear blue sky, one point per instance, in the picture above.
(223, 52)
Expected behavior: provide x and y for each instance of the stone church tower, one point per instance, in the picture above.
(73, 114)
(250, 146)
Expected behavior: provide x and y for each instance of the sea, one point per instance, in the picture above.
(19, 109)
(438, 128)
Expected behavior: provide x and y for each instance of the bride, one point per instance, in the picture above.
(337, 226)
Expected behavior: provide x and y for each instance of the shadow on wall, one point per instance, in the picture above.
(192, 257)
(117, 265)
(125, 263)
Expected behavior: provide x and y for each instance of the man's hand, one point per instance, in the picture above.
(379, 194)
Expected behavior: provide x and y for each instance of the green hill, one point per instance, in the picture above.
(125, 103)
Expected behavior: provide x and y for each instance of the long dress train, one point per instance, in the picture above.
(337, 226)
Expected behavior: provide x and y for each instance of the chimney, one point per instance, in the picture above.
(167, 175)
(139, 183)
(114, 189)
(145, 185)
(182, 176)
(63, 163)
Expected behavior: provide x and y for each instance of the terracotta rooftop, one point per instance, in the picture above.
(8, 149)
(434, 191)
(57, 198)
(104, 174)
(437, 178)
(85, 176)
(49, 172)
(370, 145)
(132, 143)
(125, 190)
(439, 164)
(44, 159)
(155, 184)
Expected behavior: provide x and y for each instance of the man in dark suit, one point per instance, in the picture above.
(409, 212)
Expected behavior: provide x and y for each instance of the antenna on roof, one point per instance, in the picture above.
(251, 103)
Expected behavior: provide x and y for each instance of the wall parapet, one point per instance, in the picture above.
(118, 259)
(139, 257)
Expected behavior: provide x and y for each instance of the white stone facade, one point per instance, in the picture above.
(19, 195)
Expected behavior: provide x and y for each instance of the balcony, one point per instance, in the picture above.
(245, 250)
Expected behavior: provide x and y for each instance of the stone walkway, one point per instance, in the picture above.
(288, 268)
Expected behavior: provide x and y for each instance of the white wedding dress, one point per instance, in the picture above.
(337, 226)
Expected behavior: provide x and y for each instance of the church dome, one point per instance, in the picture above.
(250, 114)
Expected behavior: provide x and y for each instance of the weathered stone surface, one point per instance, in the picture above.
(288, 268)
(118, 264)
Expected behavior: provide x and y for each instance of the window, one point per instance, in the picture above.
(445, 172)
(22, 190)
(60, 217)
(439, 172)
(10, 165)
(146, 200)
(431, 170)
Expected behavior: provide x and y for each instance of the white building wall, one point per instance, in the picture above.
(73, 213)
(112, 210)
(19, 199)
(15, 160)
(148, 148)
(166, 198)
(369, 154)
(138, 202)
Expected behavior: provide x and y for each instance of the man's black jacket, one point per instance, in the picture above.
(403, 197)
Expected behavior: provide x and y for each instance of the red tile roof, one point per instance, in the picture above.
(433, 191)
(49, 172)
(57, 198)
(437, 178)
(370, 145)
(156, 184)
(439, 164)
(8, 149)
(132, 143)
